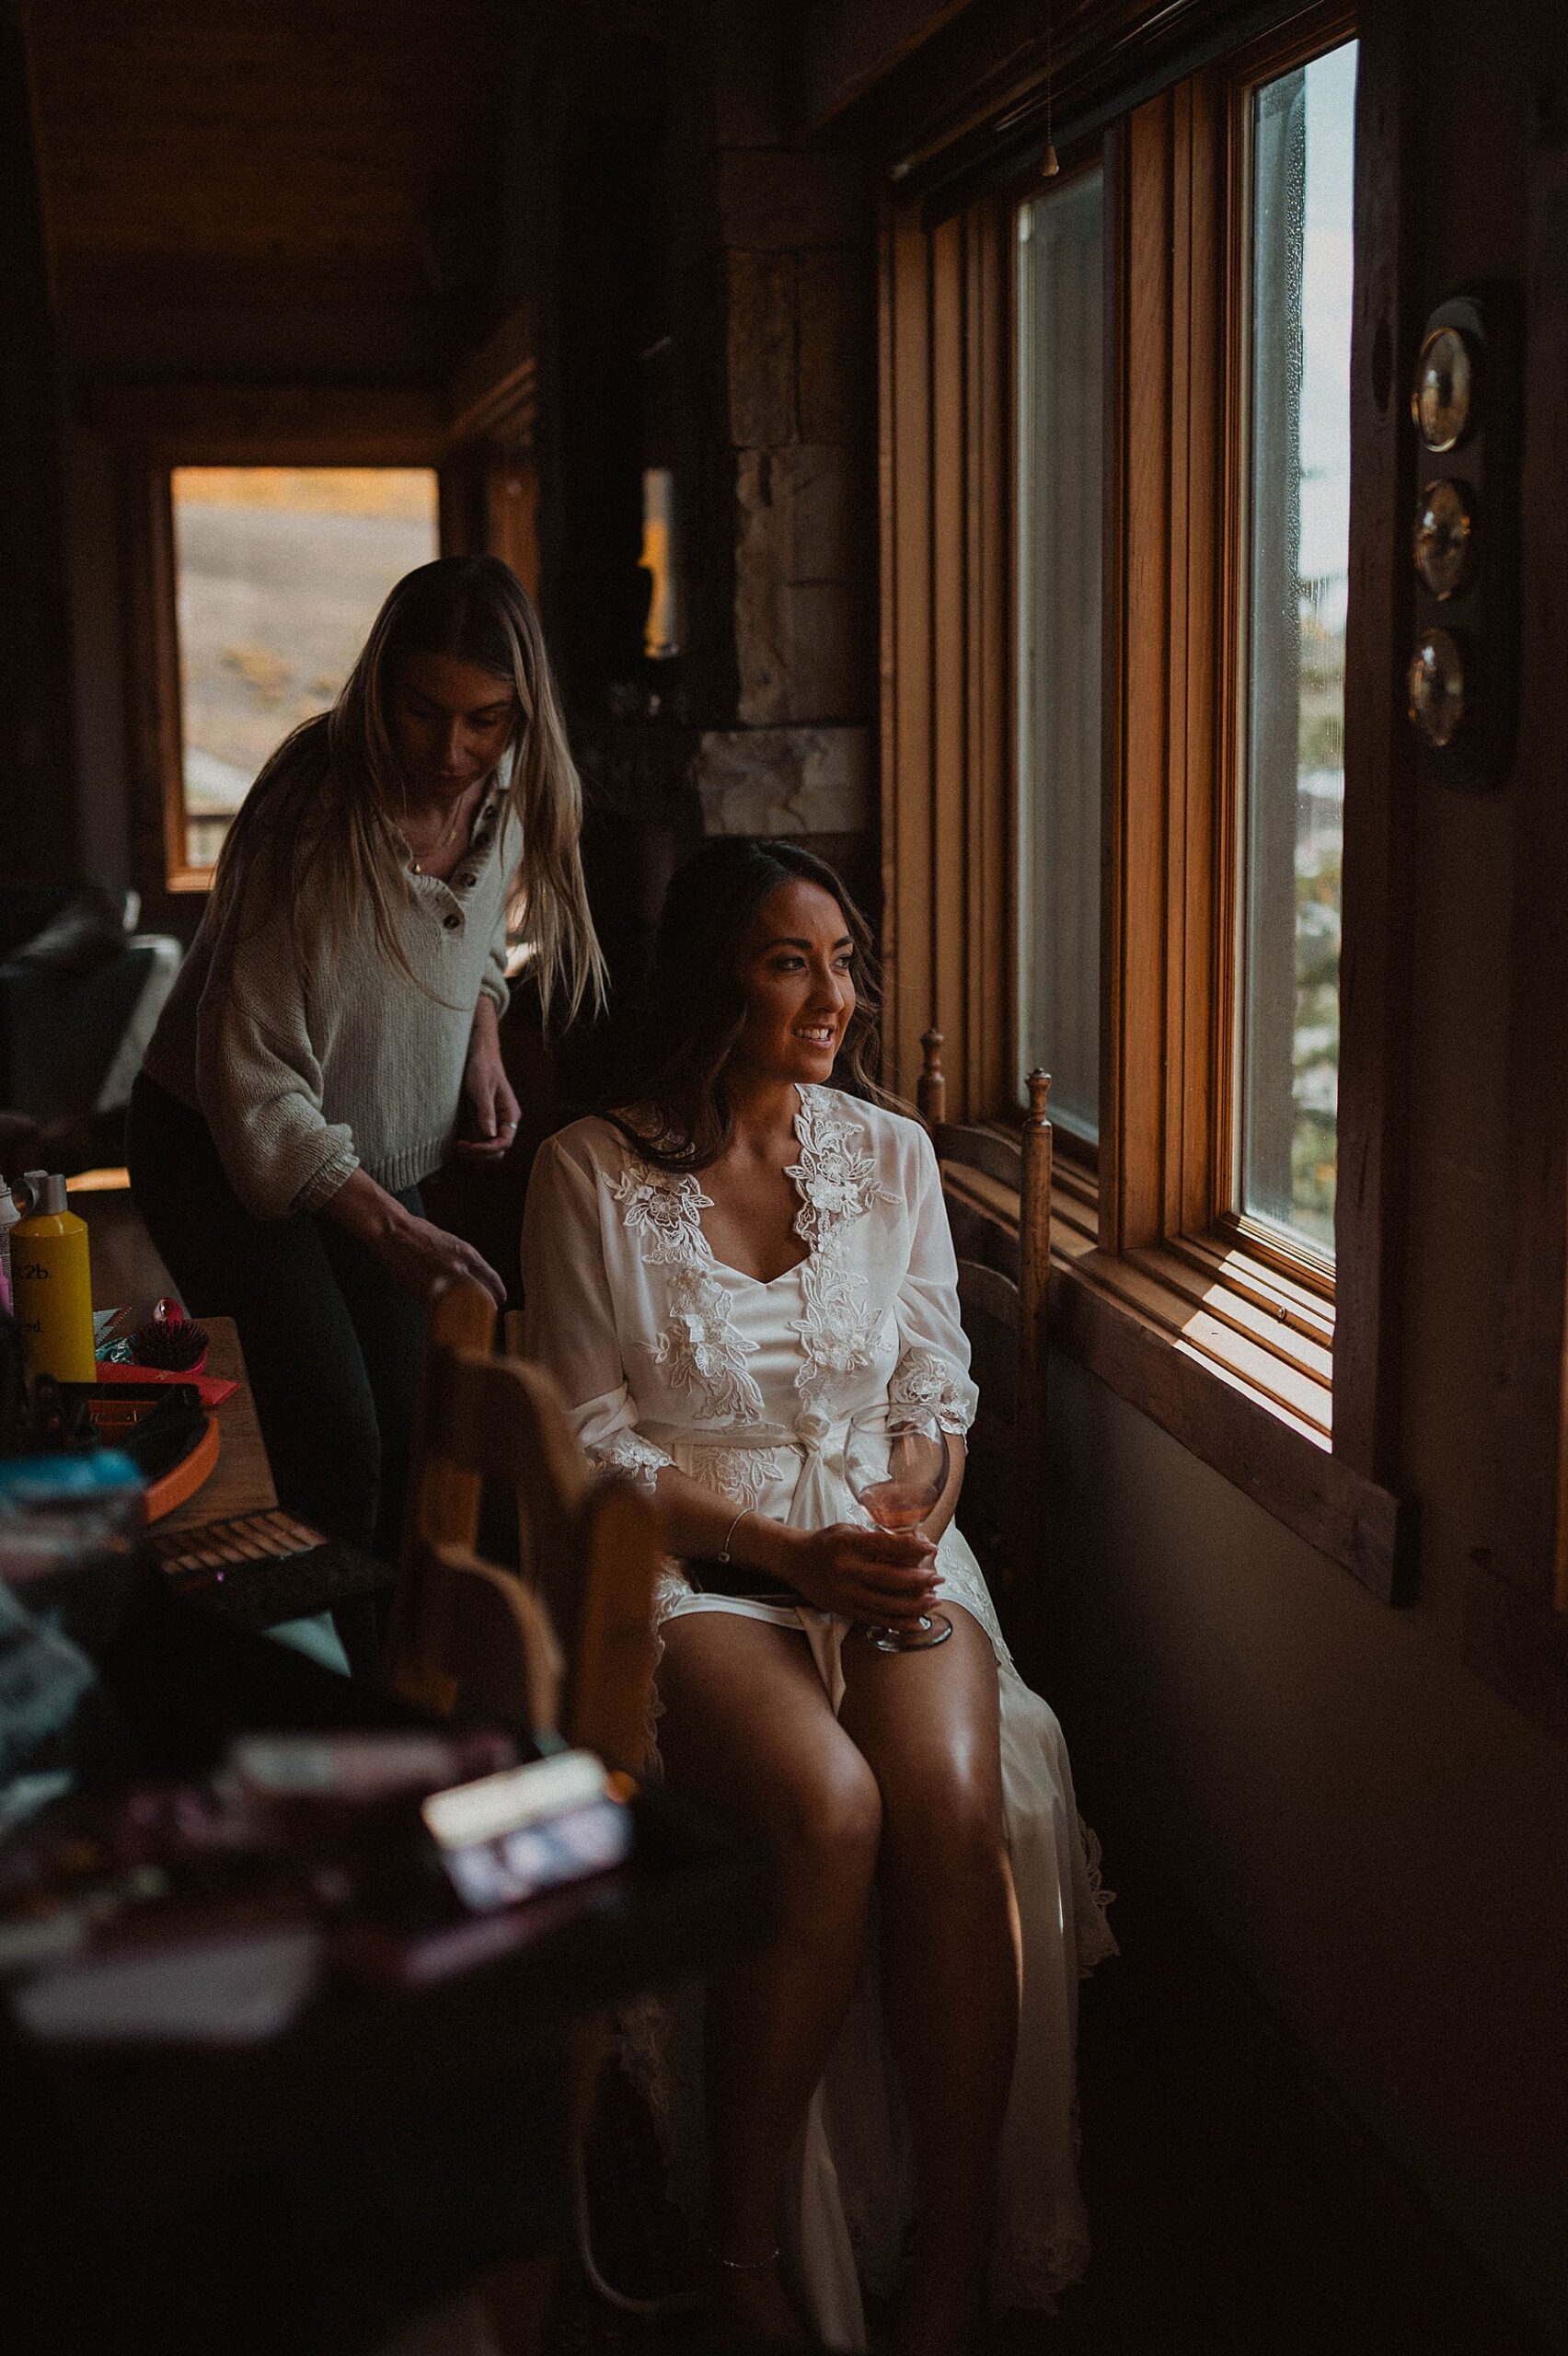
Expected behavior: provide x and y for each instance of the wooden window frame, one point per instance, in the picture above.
(155, 430)
(489, 485)
(1283, 1377)
(1076, 1157)
(1516, 1617)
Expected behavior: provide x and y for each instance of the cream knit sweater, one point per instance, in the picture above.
(306, 1073)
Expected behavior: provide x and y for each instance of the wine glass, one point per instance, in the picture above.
(896, 1462)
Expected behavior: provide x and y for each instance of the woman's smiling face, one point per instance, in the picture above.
(797, 973)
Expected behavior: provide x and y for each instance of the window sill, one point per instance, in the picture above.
(1232, 1358)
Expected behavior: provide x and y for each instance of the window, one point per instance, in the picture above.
(1060, 534)
(280, 572)
(1297, 532)
(1122, 704)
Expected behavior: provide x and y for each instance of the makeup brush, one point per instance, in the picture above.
(168, 1340)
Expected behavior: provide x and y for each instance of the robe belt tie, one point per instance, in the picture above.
(817, 1438)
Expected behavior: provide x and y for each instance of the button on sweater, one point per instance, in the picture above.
(306, 1070)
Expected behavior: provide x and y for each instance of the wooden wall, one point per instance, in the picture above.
(250, 171)
(40, 834)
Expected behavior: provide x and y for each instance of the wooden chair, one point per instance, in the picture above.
(604, 1609)
(997, 1191)
(565, 1643)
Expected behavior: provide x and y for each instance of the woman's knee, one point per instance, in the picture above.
(829, 1821)
(949, 1815)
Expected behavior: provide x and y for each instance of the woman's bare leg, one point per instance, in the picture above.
(928, 1724)
(747, 1723)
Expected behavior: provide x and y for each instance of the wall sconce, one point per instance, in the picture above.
(1458, 679)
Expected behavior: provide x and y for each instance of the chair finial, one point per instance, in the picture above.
(931, 1095)
(1039, 1091)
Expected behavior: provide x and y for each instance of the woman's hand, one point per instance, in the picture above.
(887, 1577)
(491, 1107)
(418, 1255)
(415, 1253)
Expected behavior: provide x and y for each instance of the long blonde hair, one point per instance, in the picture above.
(331, 797)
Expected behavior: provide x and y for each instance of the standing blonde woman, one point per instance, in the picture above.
(332, 1037)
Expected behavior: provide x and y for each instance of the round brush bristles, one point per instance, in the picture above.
(176, 1349)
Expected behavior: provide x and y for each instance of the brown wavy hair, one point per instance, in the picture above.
(332, 798)
(694, 1006)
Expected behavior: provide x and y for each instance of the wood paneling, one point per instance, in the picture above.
(907, 784)
(211, 149)
(37, 740)
(847, 46)
(1518, 1619)
(976, 89)
(1138, 637)
(152, 674)
(1167, 696)
(946, 826)
(1352, 1520)
(284, 425)
(1169, 675)
(1379, 803)
(951, 386)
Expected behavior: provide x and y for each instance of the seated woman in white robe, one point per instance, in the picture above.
(718, 1279)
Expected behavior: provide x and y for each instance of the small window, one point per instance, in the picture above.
(1061, 264)
(1296, 576)
(280, 572)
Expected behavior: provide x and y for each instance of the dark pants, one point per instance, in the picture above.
(331, 1345)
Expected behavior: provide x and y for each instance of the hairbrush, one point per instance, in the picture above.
(169, 1340)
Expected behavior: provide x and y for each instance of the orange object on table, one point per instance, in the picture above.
(214, 1388)
(185, 1478)
(242, 1480)
(114, 1417)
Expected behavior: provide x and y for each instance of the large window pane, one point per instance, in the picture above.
(1298, 553)
(281, 573)
(1061, 371)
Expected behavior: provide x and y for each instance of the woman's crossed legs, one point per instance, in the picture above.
(905, 1789)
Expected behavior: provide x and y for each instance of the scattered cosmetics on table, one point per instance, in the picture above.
(213, 1912)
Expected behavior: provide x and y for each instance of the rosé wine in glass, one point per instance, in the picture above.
(897, 1461)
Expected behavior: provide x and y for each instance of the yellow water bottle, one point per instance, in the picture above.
(51, 1285)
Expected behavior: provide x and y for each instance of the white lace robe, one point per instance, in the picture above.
(666, 1356)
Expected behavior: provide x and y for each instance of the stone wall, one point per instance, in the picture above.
(763, 403)
(795, 225)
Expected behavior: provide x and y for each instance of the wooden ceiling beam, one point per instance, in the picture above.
(316, 425)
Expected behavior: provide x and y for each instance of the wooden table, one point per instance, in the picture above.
(273, 1586)
(241, 1480)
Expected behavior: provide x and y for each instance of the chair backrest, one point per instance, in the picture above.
(567, 1643)
(988, 1303)
(1003, 1299)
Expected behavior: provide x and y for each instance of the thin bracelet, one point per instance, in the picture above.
(743, 2265)
(724, 1549)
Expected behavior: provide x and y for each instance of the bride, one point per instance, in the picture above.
(719, 1277)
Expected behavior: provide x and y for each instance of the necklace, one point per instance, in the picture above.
(436, 848)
